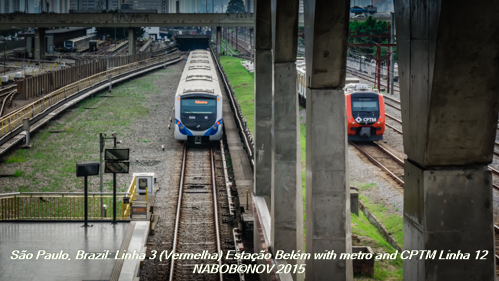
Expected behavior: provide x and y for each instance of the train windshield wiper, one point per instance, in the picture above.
(188, 111)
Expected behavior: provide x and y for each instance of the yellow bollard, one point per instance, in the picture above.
(50, 67)
(55, 65)
(16, 63)
(39, 69)
(29, 63)
(32, 72)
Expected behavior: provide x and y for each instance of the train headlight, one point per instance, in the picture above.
(214, 127)
(353, 122)
(181, 127)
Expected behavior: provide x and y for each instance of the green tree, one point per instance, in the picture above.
(236, 6)
(371, 27)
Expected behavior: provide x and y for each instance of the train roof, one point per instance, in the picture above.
(82, 37)
(364, 94)
(199, 75)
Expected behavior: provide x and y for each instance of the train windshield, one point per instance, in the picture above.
(365, 104)
(198, 113)
(199, 106)
(68, 43)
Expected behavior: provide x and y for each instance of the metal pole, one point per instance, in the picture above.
(392, 40)
(388, 75)
(86, 202)
(101, 173)
(43, 99)
(114, 198)
(378, 67)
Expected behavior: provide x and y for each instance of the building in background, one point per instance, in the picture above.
(143, 5)
(382, 5)
(94, 4)
(198, 6)
(10, 6)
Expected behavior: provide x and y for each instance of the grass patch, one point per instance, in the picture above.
(244, 86)
(18, 174)
(51, 166)
(393, 222)
(225, 45)
(18, 157)
(368, 235)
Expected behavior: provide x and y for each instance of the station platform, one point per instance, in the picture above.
(58, 250)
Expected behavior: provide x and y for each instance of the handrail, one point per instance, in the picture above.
(14, 120)
(132, 190)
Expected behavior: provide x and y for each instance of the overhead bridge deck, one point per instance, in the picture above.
(124, 20)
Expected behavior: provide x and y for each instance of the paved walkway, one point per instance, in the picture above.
(54, 238)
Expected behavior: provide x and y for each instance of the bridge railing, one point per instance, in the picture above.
(14, 120)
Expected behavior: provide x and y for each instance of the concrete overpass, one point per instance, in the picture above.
(45, 20)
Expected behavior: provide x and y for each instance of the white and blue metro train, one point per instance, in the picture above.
(198, 101)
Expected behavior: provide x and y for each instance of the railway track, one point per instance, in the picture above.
(381, 157)
(366, 77)
(196, 224)
(6, 98)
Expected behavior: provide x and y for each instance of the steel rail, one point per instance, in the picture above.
(391, 99)
(215, 208)
(398, 160)
(177, 218)
(7, 96)
(392, 117)
(372, 159)
(179, 207)
(395, 129)
(391, 105)
(226, 178)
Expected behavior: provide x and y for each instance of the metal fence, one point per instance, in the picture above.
(67, 205)
(15, 119)
(59, 206)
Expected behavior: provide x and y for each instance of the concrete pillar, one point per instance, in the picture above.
(132, 41)
(328, 189)
(219, 40)
(286, 195)
(263, 99)
(40, 44)
(449, 98)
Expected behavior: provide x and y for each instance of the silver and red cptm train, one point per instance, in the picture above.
(365, 108)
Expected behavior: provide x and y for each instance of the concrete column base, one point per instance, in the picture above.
(219, 40)
(263, 122)
(286, 196)
(449, 210)
(328, 189)
(40, 44)
(132, 41)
